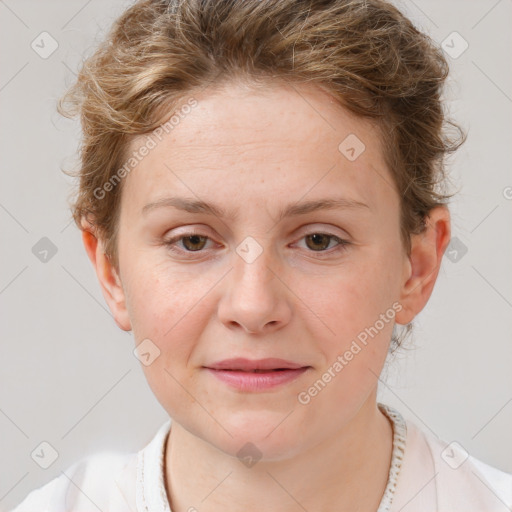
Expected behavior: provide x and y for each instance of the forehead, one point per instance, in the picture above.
(287, 138)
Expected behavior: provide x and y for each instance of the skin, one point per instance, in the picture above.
(255, 152)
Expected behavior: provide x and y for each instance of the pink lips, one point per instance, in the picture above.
(255, 375)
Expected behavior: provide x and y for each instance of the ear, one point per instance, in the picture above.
(422, 268)
(108, 277)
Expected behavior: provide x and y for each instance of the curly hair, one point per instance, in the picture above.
(364, 53)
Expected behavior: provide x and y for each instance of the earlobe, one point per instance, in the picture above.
(427, 249)
(108, 278)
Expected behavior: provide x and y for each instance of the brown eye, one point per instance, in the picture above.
(187, 243)
(194, 242)
(318, 241)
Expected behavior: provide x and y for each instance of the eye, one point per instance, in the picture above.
(319, 242)
(192, 242)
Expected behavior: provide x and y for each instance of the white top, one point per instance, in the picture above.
(426, 475)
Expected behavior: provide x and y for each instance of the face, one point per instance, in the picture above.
(299, 255)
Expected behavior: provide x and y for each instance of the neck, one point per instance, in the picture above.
(347, 471)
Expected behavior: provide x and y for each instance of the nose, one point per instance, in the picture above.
(254, 298)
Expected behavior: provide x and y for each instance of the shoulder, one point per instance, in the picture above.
(101, 481)
(107, 481)
(458, 469)
(443, 476)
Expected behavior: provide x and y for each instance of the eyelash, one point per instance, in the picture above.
(341, 246)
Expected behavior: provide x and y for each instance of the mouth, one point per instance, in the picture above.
(255, 365)
(256, 375)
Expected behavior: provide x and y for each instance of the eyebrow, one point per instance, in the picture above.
(290, 210)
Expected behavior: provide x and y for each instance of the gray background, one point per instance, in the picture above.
(68, 374)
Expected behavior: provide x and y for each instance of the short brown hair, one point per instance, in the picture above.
(365, 53)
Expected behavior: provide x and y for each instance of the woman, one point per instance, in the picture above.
(261, 198)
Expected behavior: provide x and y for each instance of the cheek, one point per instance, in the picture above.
(354, 316)
(172, 307)
(356, 349)
(166, 308)
(348, 302)
(161, 297)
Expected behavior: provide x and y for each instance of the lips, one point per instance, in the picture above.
(255, 365)
(257, 375)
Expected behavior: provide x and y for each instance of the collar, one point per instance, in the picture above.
(150, 493)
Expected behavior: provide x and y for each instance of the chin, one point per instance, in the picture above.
(260, 435)
(260, 450)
